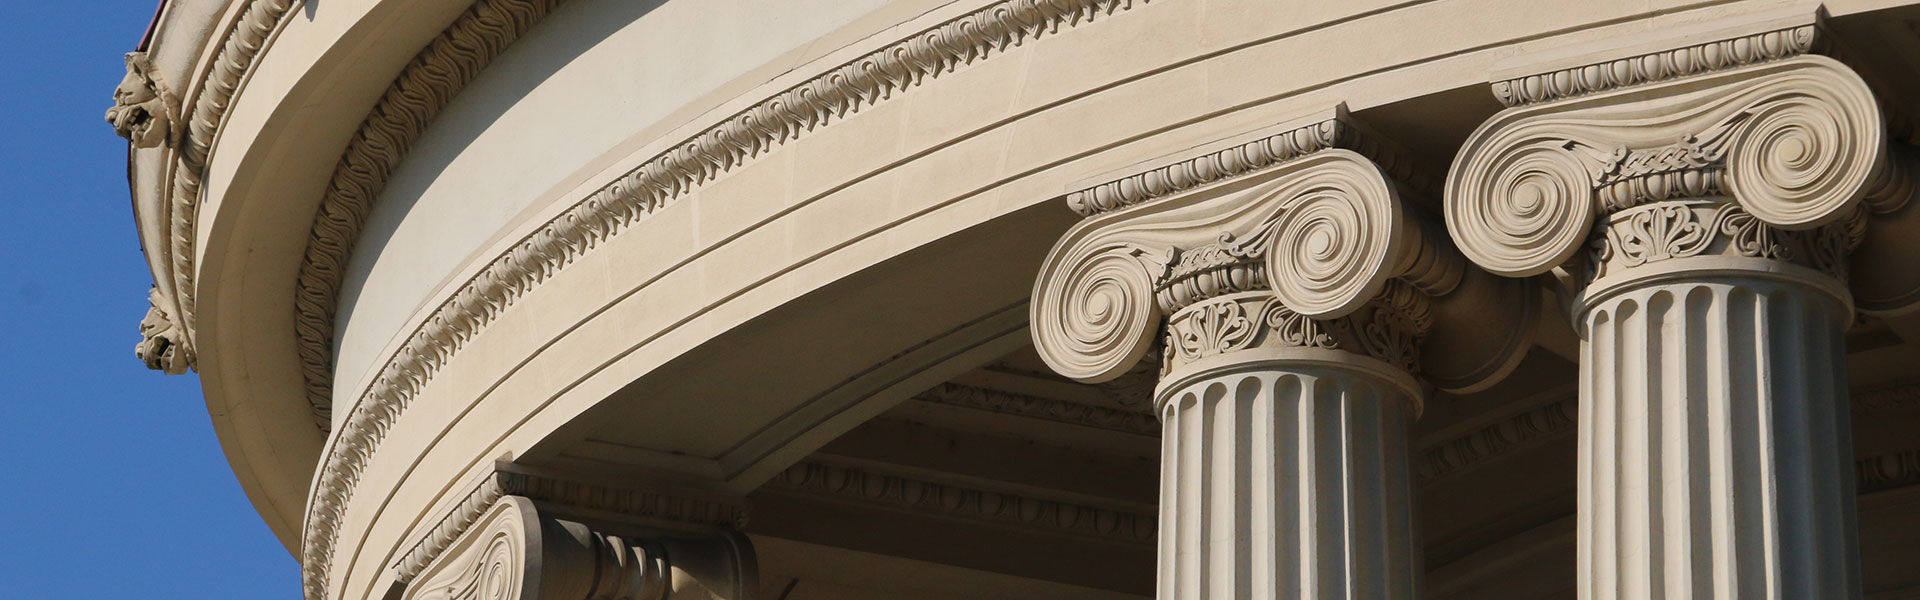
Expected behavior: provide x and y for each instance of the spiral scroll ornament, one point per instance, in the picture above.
(1800, 161)
(1335, 242)
(1095, 317)
(500, 570)
(1523, 211)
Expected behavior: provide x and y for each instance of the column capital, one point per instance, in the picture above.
(1795, 142)
(1322, 234)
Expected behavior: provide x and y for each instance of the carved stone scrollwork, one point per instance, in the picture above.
(1792, 141)
(163, 345)
(144, 111)
(1718, 199)
(1297, 299)
(512, 552)
(1316, 245)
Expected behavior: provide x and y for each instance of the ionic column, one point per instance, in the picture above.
(1296, 300)
(1701, 227)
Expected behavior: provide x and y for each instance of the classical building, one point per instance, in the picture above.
(943, 299)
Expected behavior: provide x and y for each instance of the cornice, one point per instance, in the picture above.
(644, 504)
(1526, 429)
(1049, 409)
(1888, 471)
(397, 120)
(408, 107)
(1777, 43)
(1024, 510)
(243, 42)
(616, 207)
(1902, 396)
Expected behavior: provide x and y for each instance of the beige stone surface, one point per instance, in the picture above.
(749, 249)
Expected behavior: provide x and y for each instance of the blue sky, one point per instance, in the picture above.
(115, 484)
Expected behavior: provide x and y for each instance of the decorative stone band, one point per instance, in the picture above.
(401, 115)
(1324, 235)
(629, 504)
(1137, 422)
(1338, 130)
(1776, 44)
(1133, 526)
(1554, 420)
(1638, 241)
(560, 242)
(1795, 142)
(1888, 471)
(1390, 328)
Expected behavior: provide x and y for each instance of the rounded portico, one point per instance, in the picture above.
(928, 298)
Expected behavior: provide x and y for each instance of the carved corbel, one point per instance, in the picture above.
(163, 345)
(512, 552)
(1323, 249)
(144, 110)
(1740, 149)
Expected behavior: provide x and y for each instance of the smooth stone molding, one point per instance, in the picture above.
(615, 208)
(1715, 445)
(1288, 478)
(1793, 141)
(515, 553)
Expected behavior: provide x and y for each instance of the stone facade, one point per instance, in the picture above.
(1047, 298)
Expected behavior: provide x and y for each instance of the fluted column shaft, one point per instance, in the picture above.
(1287, 482)
(1284, 467)
(1714, 443)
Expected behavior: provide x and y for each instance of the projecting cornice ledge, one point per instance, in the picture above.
(1747, 148)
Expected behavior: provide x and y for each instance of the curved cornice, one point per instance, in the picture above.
(616, 207)
(424, 87)
(240, 47)
(1652, 67)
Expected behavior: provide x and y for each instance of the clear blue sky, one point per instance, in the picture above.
(115, 486)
